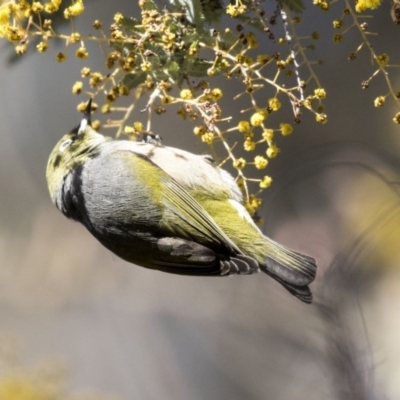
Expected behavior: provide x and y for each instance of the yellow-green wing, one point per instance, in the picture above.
(186, 217)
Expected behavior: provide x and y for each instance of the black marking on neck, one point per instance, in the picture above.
(75, 130)
(74, 206)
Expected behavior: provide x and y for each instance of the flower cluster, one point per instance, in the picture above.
(352, 19)
(362, 5)
(171, 55)
(164, 56)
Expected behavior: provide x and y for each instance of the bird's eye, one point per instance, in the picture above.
(65, 144)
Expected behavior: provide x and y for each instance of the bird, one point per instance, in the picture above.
(166, 209)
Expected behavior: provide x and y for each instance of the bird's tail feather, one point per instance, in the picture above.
(303, 293)
(291, 269)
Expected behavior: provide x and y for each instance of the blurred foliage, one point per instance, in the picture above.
(172, 55)
(44, 381)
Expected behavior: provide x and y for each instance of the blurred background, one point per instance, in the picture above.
(123, 332)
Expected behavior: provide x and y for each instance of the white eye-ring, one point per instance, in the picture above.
(65, 144)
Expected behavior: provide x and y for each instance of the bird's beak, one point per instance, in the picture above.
(87, 118)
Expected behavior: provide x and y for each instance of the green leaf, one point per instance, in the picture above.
(150, 5)
(213, 10)
(130, 24)
(196, 68)
(173, 67)
(193, 11)
(159, 53)
(133, 80)
(227, 39)
(254, 22)
(296, 6)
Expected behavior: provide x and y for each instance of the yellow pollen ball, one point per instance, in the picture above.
(96, 125)
(199, 130)
(166, 99)
(74, 10)
(268, 134)
(186, 94)
(379, 101)
(383, 59)
(257, 119)
(118, 17)
(262, 58)
(77, 88)
(128, 129)
(286, 129)
(272, 151)
(61, 57)
(362, 5)
(260, 162)
(275, 104)
(320, 93)
(266, 182)
(321, 118)
(216, 94)
(82, 53)
(239, 163)
(208, 138)
(138, 126)
(396, 118)
(243, 126)
(249, 145)
(4, 20)
(42, 47)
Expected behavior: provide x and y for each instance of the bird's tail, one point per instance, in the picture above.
(293, 270)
